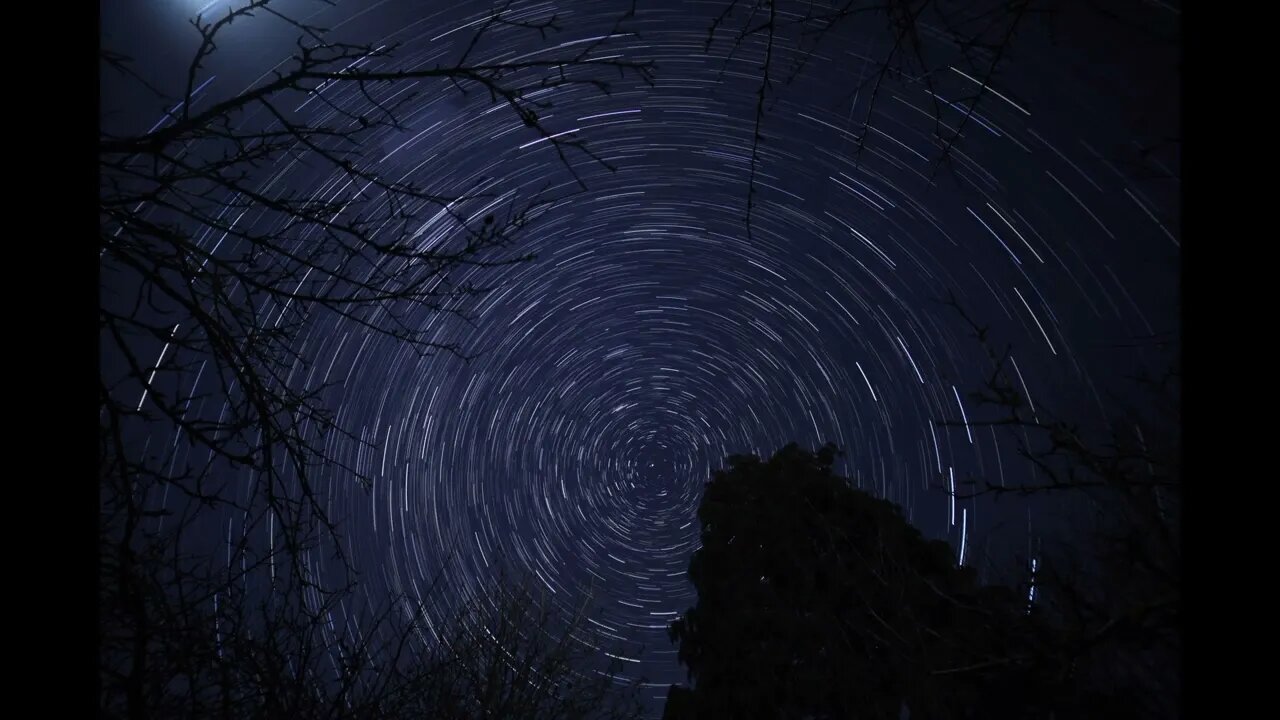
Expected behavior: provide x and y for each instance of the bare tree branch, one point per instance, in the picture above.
(215, 266)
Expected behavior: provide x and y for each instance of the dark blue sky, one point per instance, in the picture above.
(651, 336)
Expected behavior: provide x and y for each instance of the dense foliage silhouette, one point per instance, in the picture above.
(817, 600)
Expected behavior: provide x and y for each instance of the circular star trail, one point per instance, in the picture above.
(652, 335)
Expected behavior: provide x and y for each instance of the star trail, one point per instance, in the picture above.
(651, 335)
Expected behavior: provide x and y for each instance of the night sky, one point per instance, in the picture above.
(651, 336)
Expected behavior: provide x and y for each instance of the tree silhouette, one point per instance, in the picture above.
(1113, 589)
(200, 309)
(816, 600)
(215, 649)
(226, 231)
